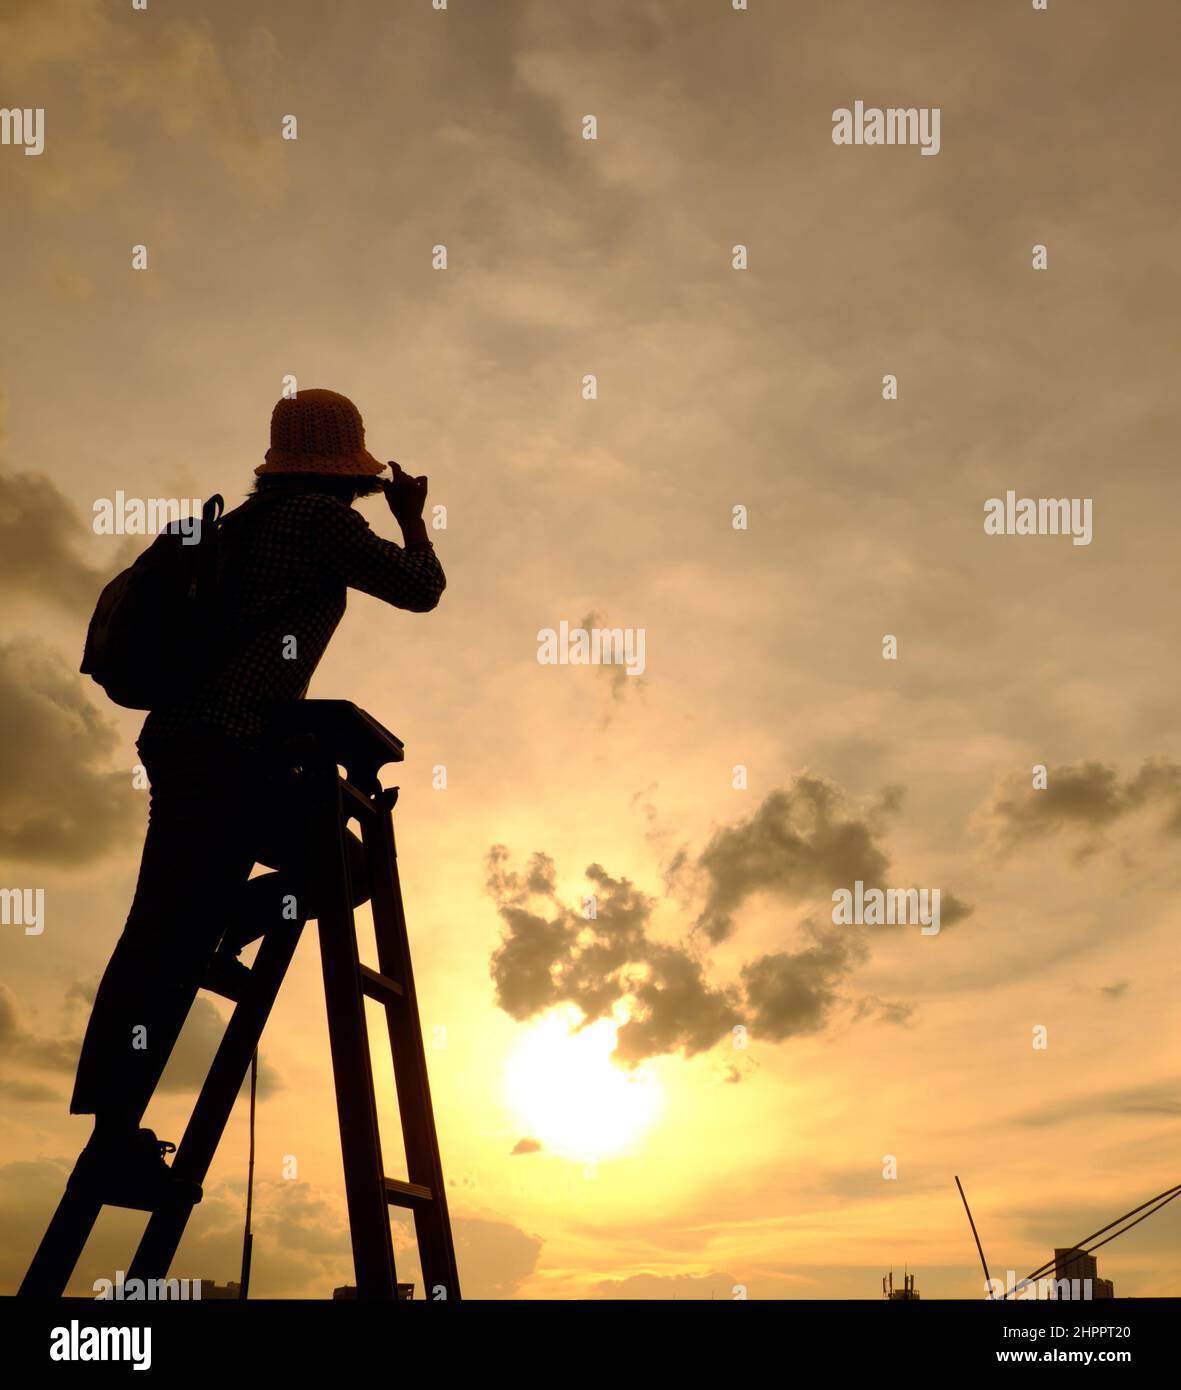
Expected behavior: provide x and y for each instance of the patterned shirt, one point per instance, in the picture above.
(289, 562)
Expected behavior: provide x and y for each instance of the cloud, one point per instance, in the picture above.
(175, 82)
(26, 1091)
(21, 1046)
(191, 1057)
(298, 1217)
(302, 1247)
(597, 962)
(526, 1146)
(1082, 800)
(41, 538)
(674, 1008)
(615, 674)
(42, 541)
(792, 993)
(38, 33)
(1155, 1240)
(185, 1072)
(952, 909)
(29, 1192)
(301, 1243)
(801, 843)
(661, 1287)
(1161, 1098)
(494, 1257)
(798, 844)
(60, 804)
(888, 1012)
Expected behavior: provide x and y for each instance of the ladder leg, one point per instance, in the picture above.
(360, 1139)
(203, 1133)
(432, 1224)
(61, 1247)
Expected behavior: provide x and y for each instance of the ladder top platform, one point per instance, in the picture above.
(340, 731)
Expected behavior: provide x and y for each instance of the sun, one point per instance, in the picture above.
(566, 1091)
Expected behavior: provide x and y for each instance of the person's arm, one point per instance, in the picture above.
(409, 577)
(414, 532)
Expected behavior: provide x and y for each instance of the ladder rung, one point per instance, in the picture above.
(406, 1194)
(380, 987)
(233, 981)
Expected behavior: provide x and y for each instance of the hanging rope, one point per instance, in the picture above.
(248, 1238)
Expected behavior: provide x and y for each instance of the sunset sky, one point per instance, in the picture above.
(648, 1153)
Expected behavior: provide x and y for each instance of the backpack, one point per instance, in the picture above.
(160, 629)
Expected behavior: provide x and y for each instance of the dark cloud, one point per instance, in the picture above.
(559, 956)
(41, 544)
(793, 992)
(185, 1072)
(675, 1008)
(61, 805)
(952, 909)
(1083, 800)
(1158, 783)
(614, 674)
(1116, 990)
(81, 993)
(801, 843)
(888, 1012)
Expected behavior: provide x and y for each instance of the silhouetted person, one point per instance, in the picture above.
(222, 797)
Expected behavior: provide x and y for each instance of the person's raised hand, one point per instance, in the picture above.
(405, 494)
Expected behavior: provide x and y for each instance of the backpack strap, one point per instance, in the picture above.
(204, 574)
(235, 642)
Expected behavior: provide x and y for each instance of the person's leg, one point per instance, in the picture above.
(288, 893)
(280, 839)
(194, 863)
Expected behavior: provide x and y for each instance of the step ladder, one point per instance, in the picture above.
(321, 737)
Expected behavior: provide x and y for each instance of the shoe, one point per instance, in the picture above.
(128, 1170)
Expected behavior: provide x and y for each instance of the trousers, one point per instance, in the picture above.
(216, 809)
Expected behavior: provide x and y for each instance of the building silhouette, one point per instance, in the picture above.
(1077, 1265)
(211, 1289)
